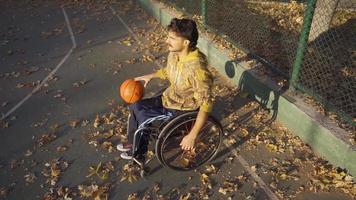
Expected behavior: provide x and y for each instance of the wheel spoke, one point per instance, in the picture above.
(207, 144)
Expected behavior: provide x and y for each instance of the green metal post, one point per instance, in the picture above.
(203, 11)
(303, 41)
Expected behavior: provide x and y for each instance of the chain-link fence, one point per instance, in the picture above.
(328, 70)
(310, 42)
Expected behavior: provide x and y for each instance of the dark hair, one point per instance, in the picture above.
(185, 28)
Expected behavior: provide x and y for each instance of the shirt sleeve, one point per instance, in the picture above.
(162, 73)
(202, 84)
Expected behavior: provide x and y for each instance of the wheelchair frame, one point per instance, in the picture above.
(162, 132)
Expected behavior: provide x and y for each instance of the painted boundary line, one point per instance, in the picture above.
(244, 163)
(69, 27)
(133, 34)
(262, 184)
(38, 87)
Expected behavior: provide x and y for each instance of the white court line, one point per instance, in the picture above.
(262, 184)
(244, 163)
(69, 27)
(133, 34)
(51, 73)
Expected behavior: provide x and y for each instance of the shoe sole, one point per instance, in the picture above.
(122, 149)
(126, 157)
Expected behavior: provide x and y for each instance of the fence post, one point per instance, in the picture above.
(203, 11)
(303, 41)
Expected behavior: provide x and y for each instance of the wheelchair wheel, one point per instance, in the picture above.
(169, 152)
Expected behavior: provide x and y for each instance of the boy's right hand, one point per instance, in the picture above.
(145, 79)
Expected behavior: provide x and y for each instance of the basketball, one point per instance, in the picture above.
(131, 91)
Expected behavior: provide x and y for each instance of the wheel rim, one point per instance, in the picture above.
(206, 146)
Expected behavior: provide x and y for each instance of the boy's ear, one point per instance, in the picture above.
(186, 42)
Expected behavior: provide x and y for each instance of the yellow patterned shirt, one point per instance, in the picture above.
(190, 82)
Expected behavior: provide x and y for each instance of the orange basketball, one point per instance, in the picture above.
(131, 91)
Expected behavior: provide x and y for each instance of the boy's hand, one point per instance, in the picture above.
(188, 142)
(145, 79)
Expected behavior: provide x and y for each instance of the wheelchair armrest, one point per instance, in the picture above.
(159, 92)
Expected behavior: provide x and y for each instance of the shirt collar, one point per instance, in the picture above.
(191, 56)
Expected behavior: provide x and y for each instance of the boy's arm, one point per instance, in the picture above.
(146, 78)
(202, 84)
(189, 140)
(162, 74)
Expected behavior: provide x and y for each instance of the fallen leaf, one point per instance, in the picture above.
(74, 123)
(4, 104)
(97, 121)
(253, 168)
(28, 153)
(85, 122)
(272, 147)
(4, 192)
(46, 138)
(61, 148)
(133, 196)
(30, 177)
(4, 124)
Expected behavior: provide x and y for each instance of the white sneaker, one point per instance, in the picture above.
(126, 155)
(124, 147)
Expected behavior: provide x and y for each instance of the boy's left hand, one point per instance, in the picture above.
(188, 142)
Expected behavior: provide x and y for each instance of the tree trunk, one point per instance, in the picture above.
(323, 15)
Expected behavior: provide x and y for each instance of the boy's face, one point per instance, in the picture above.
(176, 43)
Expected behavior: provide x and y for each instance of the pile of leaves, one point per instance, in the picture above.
(289, 16)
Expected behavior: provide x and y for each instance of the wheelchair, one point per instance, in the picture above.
(168, 131)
